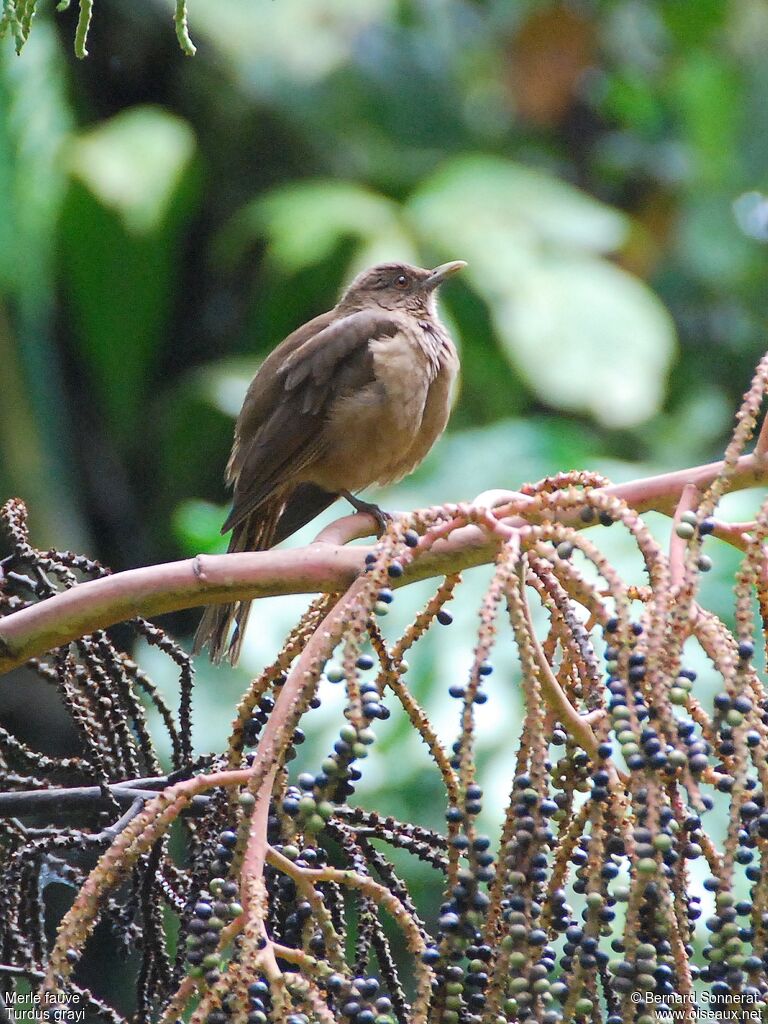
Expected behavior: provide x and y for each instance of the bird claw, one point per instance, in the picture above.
(383, 519)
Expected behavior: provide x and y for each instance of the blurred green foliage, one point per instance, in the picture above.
(164, 222)
(167, 221)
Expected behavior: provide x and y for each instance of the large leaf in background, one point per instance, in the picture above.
(134, 164)
(497, 211)
(265, 43)
(305, 222)
(34, 126)
(587, 336)
(132, 188)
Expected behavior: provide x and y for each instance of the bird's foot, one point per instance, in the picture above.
(383, 519)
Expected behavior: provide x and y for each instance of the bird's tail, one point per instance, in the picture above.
(287, 511)
(255, 533)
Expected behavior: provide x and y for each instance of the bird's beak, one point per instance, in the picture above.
(439, 274)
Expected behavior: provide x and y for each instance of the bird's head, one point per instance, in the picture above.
(394, 286)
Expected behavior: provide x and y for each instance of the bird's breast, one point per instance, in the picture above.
(381, 432)
(403, 372)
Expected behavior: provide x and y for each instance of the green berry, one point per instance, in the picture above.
(307, 805)
(325, 809)
(247, 801)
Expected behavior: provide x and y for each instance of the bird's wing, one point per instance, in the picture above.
(265, 391)
(317, 358)
(292, 401)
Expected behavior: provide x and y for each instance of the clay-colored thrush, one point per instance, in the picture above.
(355, 397)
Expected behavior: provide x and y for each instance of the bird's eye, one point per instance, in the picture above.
(401, 281)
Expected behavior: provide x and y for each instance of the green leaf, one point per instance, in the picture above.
(695, 32)
(34, 124)
(197, 526)
(588, 337)
(267, 43)
(632, 100)
(712, 108)
(499, 216)
(305, 222)
(132, 192)
(585, 335)
(134, 163)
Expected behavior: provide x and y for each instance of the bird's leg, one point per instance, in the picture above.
(382, 518)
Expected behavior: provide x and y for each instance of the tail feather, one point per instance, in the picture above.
(256, 533)
(283, 515)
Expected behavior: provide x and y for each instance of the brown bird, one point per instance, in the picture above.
(355, 397)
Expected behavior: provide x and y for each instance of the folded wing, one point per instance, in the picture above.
(279, 432)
